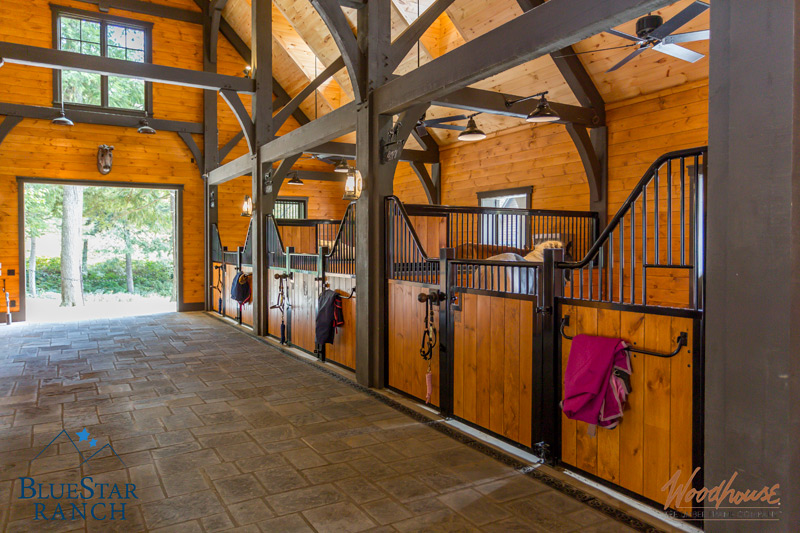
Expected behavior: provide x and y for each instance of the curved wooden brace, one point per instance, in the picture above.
(593, 150)
(7, 125)
(429, 183)
(413, 33)
(230, 145)
(280, 173)
(331, 12)
(282, 115)
(192, 145)
(240, 111)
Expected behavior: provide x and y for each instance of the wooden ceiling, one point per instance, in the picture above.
(302, 45)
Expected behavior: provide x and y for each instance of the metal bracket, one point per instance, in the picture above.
(392, 146)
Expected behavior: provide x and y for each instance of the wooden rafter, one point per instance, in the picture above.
(331, 12)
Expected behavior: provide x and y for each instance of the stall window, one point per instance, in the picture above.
(97, 34)
(506, 229)
(294, 208)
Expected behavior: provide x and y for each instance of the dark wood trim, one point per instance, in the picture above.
(192, 145)
(23, 180)
(309, 89)
(147, 27)
(149, 8)
(242, 116)
(36, 56)
(493, 193)
(7, 125)
(432, 191)
(493, 103)
(333, 16)
(414, 32)
(103, 118)
(230, 145)
(191, 307)
(514, 43)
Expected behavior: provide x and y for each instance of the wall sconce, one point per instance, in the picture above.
(212, 199)
(353, 185)
(248, 71)
(247, 207)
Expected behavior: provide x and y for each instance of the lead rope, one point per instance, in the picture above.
(280, 306)
(429, 338)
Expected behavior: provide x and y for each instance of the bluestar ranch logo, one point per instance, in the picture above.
(82, 500)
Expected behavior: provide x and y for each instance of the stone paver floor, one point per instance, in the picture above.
(220, 432)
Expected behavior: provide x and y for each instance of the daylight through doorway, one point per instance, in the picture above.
(99, 251)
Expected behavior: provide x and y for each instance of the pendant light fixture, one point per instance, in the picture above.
(294, 180)
(145, 128)
(61, 119)
(341, 166)
(543, 113)
(353, 185)
(472, 133)
(247, 207)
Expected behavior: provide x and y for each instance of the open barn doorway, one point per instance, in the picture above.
(98, 250)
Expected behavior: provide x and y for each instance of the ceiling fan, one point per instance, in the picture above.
(653, 32)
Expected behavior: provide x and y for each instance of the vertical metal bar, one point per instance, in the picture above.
(683, 211)
(669, 212)
(644, 245)
(621, 259)
(633, 252)
(610, 267)
(656, 215)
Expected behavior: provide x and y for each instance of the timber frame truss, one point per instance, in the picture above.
(370, 58)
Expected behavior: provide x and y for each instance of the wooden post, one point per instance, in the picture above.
(262, 120)
(210, 158)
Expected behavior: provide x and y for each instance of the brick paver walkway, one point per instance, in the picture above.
(220, 432)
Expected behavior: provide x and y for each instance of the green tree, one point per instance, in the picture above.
(42, 214)
(136, 218)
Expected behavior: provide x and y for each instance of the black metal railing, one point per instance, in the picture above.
(303, 262)
(342, 256)
(275, 249)
(406, 258)
(658, 231)
(469, 228)
(495, 276)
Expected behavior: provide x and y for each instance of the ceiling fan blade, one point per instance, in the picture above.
(679, 20)
(678, 51)
(628, 58)
(689, 37)
(623, 35)
(449, 127)
(434, 121)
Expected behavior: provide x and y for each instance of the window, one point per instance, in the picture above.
(285, 208)
(98, 34)
(503, 229)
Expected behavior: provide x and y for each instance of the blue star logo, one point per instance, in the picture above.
(82, 435)
(93, 443)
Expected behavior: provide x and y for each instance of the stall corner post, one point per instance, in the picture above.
(550, 290)
(446, 288)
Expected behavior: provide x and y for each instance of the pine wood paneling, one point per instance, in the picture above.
(406, 368)
(343, 349)
(303, 297)
(654, 438)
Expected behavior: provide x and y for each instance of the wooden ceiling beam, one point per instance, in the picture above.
(414, 32)
(558, 23)
(331, 12)
(295, 102)
(36, 56)
(149, 8)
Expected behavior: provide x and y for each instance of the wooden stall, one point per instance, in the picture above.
(658, 233)
(303, 275)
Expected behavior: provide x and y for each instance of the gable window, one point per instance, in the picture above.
(97, 34)
(505, 229)
(286, 208)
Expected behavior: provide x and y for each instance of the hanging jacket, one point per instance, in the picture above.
(240, 288)
(329, 316)
(597, 381)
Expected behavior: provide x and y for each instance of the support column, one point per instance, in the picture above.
(261, 47)
(371, 305)
(210, 155)
(752, 413)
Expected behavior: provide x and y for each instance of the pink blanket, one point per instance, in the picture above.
(596, 383)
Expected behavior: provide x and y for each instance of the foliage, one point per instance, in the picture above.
(42, 208)
(151, 277)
